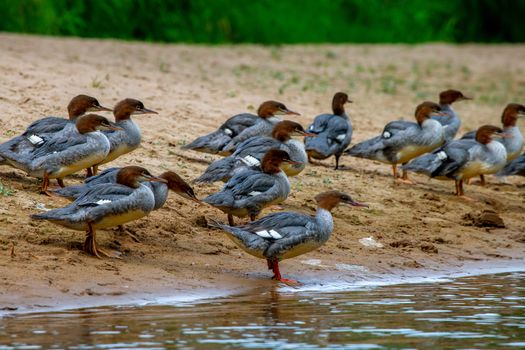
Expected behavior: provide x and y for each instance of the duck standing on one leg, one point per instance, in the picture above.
(285, 235)
(334, 132)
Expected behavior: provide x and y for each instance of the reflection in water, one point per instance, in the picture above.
(472, 312)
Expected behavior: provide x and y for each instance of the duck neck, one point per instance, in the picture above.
(324, 220)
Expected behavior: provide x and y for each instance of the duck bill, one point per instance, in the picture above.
(308, 134)
(357, 204)
(467, 98)
(102, 108)
(289, 112)
(502, 135)
(292, 162)
(114, 128)
(155, 179)
(145, 111)
(443, 114)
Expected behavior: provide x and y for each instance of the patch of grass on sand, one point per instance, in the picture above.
(5, 191)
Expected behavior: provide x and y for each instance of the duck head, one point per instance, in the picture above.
(272, 160)
(283, 131)
(338, 102)
(81, 104)
(487, 133)
(132, 176)
(179, 186)
(330, 199)
(94, 122)
(425, 110)
(511, 113)
(128, 107)
(269, 109)
(450, 96)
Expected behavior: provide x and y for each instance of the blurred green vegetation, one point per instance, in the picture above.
(270, 21)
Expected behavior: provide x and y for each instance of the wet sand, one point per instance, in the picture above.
(194, 88)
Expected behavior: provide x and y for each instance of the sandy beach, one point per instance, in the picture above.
(421, 227)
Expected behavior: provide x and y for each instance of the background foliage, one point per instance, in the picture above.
(271, 21)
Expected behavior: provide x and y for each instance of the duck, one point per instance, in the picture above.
(160, 189)
(465, 158)
(334, 132)
(402, 141)
(47, 128)
(285, 235)
(251, 190)
(127, 138)
(268, 116)
(215, 142)
(250, 153)
(514, 141)
(450, 120)
(67, 154)
(106, 205)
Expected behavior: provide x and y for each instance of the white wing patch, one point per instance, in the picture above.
(251, 161)
(228, 131)
(441, 155)
(269, 234)
(254, 193)
(341, 137)
(35, 140)
(387, 135)
(103, 201)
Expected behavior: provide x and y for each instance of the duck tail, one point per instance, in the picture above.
(70, 192)
(425, 164)
(212, 143)
(219, 170)
(366, 149)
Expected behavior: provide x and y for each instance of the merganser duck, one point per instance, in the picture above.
(67, 154)
(128, 137)
(516, 167)
(513, 142)
(402, 141)
(268, 113)
(251, 152)
(285, 235)
(215, 142)
(46, 128)
(159, 189)
(334, 132)
(251, 190)
(463, 159)
(450, 120)
(106, 205)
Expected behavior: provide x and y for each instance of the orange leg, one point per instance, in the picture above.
(45, 185)
(90, 244)
(394, 170)
(230, 220)
(277, 274)
(482, 180)
(95, 169)
(60, 183)
(89, 172)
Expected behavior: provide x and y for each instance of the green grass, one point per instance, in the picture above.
(5, 191)
(270, 21)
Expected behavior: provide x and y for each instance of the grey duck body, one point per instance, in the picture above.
(249, 191)
(61, 155)
(103, 206)
(109, 176)
(250, 153)
(262, 127)
(216, 141)
(334, 134)
(283, 235)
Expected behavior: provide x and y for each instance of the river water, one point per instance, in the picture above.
(480, 312)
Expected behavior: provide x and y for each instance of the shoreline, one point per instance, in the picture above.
(326, 285)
